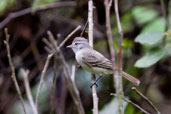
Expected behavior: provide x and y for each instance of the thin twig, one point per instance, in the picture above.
(29, 10)
(121, 36)
(69, 35)
(165, 13)
(145, 98)
(13, 76)
(25, 73)
(52, 97)
(116, 72)
(70, 84)
(119, 61)
(84, 29)
(42, 78)
(90, 34)
(134, 104)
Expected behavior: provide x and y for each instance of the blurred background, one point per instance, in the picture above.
(146, 53)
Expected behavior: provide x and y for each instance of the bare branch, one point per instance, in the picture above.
(42, 78)
(13, 76)
(90, 34)
(131, 102)
(146, 99)
(29, 10)
(116, 72)
(25, 73)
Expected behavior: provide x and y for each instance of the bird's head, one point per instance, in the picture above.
(78, 44)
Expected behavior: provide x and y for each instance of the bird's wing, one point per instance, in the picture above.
(96, 60)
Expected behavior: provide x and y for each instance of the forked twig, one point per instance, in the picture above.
(13, 76)
(70, 84)
(25, 73)
(116, 72)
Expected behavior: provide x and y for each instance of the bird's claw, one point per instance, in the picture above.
(94, 83)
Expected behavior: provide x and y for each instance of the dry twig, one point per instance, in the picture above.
(69, 36)
(131, 102)
(146, 99)
(90, 34)
(42, 78)
(13, 76)
(116, 72)
(52, 45)
(25, 73)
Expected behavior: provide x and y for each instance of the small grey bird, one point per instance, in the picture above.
(93, 61)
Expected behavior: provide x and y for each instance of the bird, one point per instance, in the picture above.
(93, 61)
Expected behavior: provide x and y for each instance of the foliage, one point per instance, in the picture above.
(5, 4)
(152, 37)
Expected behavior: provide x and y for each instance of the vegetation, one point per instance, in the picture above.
(39, 75)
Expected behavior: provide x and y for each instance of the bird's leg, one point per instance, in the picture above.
(95, 82)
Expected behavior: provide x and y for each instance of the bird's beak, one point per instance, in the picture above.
(70, 46)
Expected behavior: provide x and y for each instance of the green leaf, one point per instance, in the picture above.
(158, 25)
(150, 38)
(151, 57)
(129, 109)
(111, 107)
(143, 14)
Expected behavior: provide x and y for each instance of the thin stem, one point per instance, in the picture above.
(90, 34)
(134, 104)
(116, 72)
(28, 91)
(145, 98)
(69, 35)
(84, 29)
(119, 59)
(42, 78)
(13, 76)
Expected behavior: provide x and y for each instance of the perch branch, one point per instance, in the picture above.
(13, 76)
(25, 73)
(90, 34)
(131, 102)
(42, 78)
(20, 13)
(146, 99)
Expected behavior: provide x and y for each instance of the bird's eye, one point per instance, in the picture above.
(76, 43)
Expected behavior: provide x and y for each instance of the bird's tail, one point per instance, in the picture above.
(131, 78)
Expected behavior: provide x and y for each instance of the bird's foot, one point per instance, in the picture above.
(94, 83)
